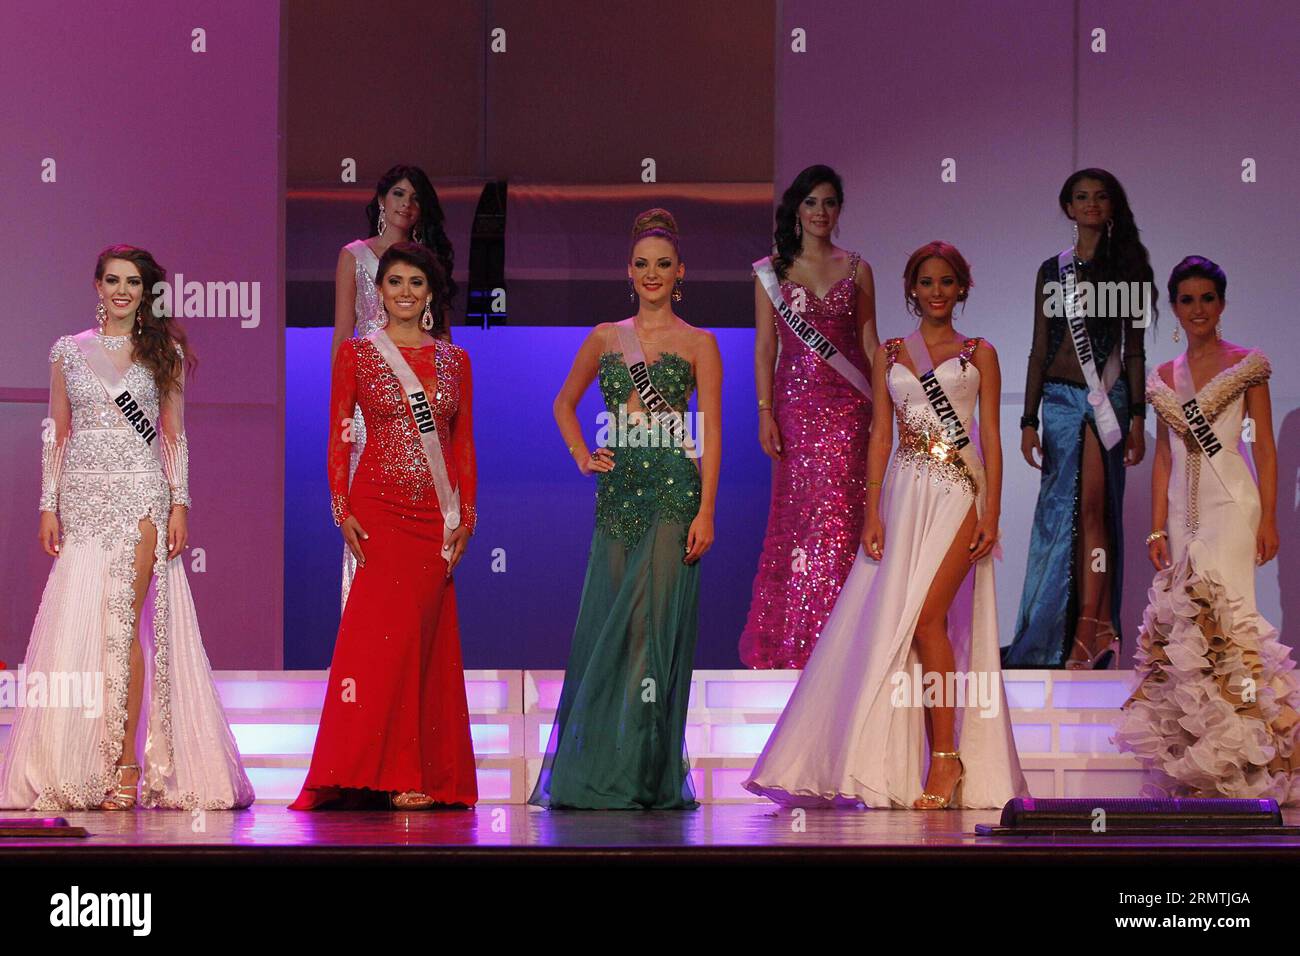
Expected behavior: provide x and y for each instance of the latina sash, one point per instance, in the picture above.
(663, 413)
(1098, 387)
(418, 402)
(805, 331)
(114, 384)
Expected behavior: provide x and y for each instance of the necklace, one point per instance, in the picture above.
(113, 342)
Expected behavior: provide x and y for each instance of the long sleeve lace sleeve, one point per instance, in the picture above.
(175, 450)
(343, 398)
(55, 429)
(1037, 355)
(462, 447)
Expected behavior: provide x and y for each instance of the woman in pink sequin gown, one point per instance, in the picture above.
(813, 423)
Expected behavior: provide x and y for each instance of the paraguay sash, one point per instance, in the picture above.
(118, 393)
(955, 433)
(418, 402)
(667, 417)
(806, 332)
(1098, 388)
(1201, 428)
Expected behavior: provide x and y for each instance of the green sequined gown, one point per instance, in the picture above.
(619, 738)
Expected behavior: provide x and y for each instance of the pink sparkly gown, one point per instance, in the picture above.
(818, 487)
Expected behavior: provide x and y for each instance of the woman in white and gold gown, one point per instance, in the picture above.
(911, 612)
(114, 515)
(1215, 710)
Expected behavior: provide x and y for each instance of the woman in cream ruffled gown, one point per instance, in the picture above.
(1214, 713)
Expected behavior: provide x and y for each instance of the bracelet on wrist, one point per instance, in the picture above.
(1154, 536)
(1029, 421)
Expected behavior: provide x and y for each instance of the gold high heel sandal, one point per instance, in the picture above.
(124, 796)
(411, 800)
(932, 801)
(1105, 657)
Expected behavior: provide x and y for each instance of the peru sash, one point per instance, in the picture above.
(805, 331)
(1201, 428)
(118, 393)
(955, 433)
(418, 402)
(1098, 388)
(667, 417)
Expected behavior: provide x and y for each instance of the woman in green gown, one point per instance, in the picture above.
(619, 738)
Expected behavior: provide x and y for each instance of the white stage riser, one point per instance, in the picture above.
(1062, 722)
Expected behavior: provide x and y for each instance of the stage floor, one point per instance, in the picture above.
(488, 834)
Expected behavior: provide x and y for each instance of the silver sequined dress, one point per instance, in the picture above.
(104, 482)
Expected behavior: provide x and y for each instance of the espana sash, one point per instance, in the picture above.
(113, 383)
(805, 331)
(418, 402)
(667, 417)
(1098, 388)
(1201, 428)
(955, 433)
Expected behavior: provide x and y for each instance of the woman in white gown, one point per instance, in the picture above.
(910, 615)
(1215, 710)
(115, 478)
(405, 208)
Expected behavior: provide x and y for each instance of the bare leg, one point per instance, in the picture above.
(935, 651)
(135, 683)
(1094, 555)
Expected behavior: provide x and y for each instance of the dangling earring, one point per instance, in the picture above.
(1110, 229)
(381, 314)
(417, 236)
(798, 229)
(1075, 226)
(677, 291)
(426, 320)
(1177, 337)
(382, 224)
(101, 314)
(1218, 330)
(631, 290)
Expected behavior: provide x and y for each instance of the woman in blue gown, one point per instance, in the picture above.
(1069, 609)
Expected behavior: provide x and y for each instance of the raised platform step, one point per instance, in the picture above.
(1062, 721)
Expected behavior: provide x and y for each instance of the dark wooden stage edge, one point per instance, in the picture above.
(513, 835)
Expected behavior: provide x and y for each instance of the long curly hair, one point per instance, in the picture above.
(156, 334)
(430, 227)
(1120, 256)
(786, 243)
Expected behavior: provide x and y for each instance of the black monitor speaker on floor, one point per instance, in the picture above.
(1029, 816)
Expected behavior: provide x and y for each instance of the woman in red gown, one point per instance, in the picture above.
(395, 725)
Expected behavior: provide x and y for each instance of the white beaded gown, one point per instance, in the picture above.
(853, 732)
(1215, 710)
(103, 480)
(368, 317)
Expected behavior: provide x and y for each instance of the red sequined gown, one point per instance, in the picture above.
(395, 715)
(819, 487)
